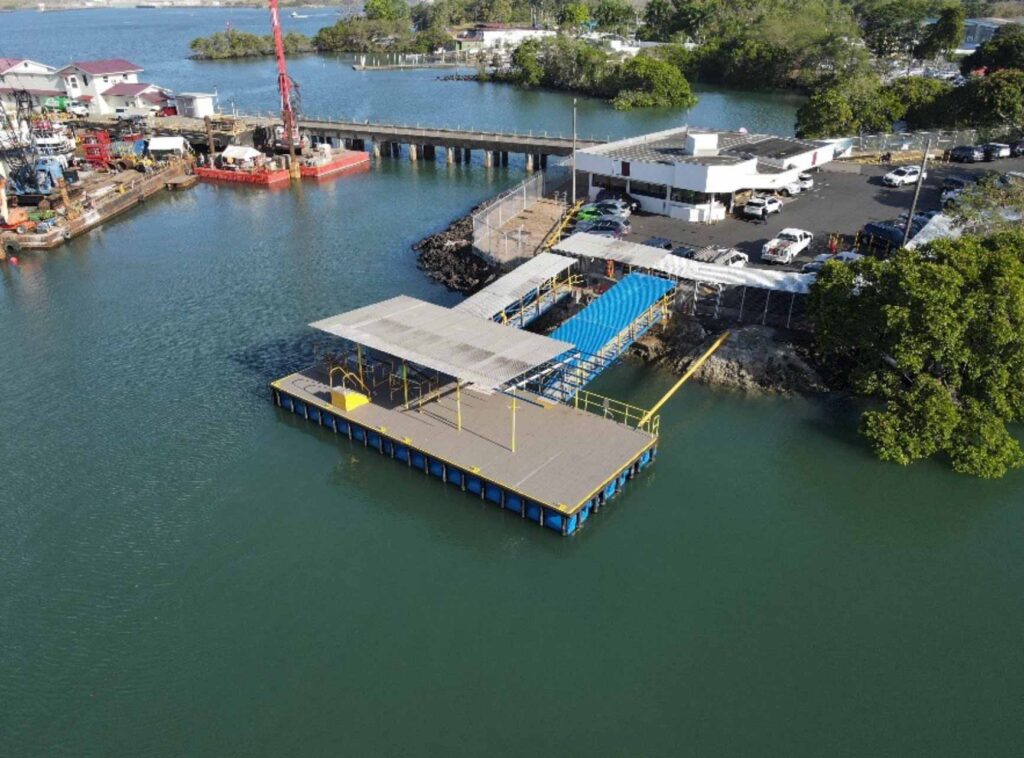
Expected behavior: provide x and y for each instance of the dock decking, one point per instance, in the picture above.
(566, 463)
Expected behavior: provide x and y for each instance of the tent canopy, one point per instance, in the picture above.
(167, 144)
(240, 153)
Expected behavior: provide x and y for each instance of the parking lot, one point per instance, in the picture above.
(839, 203)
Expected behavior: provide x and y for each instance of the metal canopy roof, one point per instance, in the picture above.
(656, 259)
(458, 344)
(515, 285)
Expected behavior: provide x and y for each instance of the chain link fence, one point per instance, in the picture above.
(906, 141)
(500, 233)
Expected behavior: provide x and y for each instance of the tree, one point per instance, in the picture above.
(386, 10)
(945, 35)
(995, 202)
(659, 17)
(894, 27)
(849, 107)
(526, 67)
(645, 81)
(1004, 50)
(923, 103)
(574, 16)
(996, 100)
(613, 15)
(937, 336)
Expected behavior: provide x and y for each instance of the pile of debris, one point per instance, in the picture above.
(448, 257)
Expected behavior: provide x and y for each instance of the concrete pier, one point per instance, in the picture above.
(414, 153)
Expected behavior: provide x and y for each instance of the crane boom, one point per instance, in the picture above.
(286, 87)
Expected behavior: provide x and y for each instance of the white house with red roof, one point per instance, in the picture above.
(21, 74)
(110, 85)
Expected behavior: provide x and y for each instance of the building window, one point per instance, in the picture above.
(72, 81)
(608, 183)
(689, 197)
(106, 79)
(648, 190)
(624, 170)
(85, 80)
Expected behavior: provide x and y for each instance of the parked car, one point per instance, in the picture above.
(955, 182)
(888, 231)
(605, 208)
(995, 150)
(659, 242)
(720, 256)
(614, 194)
(806, 181)
(762, 205)
(1017, 149)
(966, 154)
(793, 188)
(78, 109)
(847, 256)
(786, 246)
(621, 226)
(684, 251)
(904, 175)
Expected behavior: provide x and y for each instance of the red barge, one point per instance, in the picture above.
(324, 165)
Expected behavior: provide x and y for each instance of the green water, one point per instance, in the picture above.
(187, 571)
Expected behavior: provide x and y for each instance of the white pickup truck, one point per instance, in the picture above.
(786, 246)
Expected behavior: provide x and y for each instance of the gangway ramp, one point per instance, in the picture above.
(525, 293)
(608, 326)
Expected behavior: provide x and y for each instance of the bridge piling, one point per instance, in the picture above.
(488, 158)
(467, 155)
(413, 152)
(529, 162)
(449, 155)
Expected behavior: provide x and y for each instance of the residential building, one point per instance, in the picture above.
(88, 81)
(695, 174)
(22, 75)
(978, 31)
(498, 36)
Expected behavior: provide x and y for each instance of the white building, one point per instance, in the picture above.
(978, 31)
(87, 81)
(20, 74)
(498, 36)
(131, 98)
(195, 104)
(693, 174)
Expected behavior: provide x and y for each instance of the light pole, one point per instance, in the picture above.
(573, 161)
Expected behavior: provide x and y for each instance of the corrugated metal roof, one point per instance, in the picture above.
(656, 259)
(515, 285)
(609, 315)
(455, 343)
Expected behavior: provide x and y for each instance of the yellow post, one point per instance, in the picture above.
(405, 385)
(513, 420)
(359, 362)
(458, 405)
(682, 380)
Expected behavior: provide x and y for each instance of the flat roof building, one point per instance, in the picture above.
(694, 174)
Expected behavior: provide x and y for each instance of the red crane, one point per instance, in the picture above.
(288, 89)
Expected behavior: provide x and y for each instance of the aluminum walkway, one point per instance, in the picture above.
(607, 327)
(525, 293)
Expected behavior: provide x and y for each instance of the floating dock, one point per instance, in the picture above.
(260, 178)
(446, 392)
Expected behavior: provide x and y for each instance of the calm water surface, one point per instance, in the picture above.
(188, 571)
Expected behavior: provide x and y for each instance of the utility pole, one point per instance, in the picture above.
(917, 192)
(573, 162)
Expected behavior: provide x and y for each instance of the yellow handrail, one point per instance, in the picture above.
(689, 372)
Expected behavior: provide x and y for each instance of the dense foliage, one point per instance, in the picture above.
(236, 44)
(1004, 50)
(570, 64)
(937, 336)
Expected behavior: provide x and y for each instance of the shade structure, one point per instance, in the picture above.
(515, 285)
(467, 347)
(655, 259)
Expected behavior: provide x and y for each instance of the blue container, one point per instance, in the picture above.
(418, 461)
(493, 493)
(585, 513)
(341, 426)
(388, 447)
(573, 523)
(373, 439)
(300, 407)
(609, 491)
(436, 468)
(358, 433)
(553, 520)
(401, 452)
(513, 503)
(645, 459)
(314, 414)
(455, 476)
(474, 485)
(533, 511)
(288, 403)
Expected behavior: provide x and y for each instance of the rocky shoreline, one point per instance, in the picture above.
(448, 257)
(755, 359)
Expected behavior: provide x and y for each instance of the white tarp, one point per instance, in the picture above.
(240, 153)
(167, 145)
(938, 227)
(656, 259)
